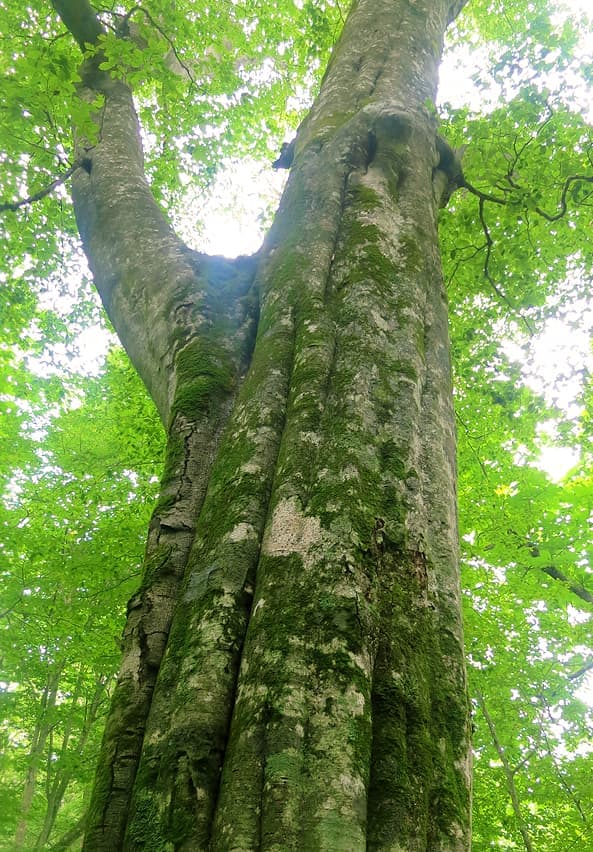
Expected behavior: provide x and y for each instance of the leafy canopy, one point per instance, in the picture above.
(80, 444)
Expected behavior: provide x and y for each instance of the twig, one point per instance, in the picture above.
(13, 206)
(576, 588)
(469, 441)
(483, 196)
(487, 274)
(549, 217)
(582, 671)
(563, 206)
(163, 34)
(340, 13)
(509, 773)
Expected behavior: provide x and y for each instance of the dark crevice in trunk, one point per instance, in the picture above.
(236, 663)
(251, 580)
(196, 824)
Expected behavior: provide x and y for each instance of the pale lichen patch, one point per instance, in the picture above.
(380, 322)
(250, 468)
(363, 661)
(345, 590)
(292, 702)
(291, 532)
(312, 437)
(241, 532)
(260, 603)
(355, 701)
(131, 665)
(351, 784)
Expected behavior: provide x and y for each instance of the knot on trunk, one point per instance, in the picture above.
(447, 175)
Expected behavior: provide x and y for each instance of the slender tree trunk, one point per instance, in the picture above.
(64, 769)
(301, 571)
(40, 735)
(509, 776)
(71, 836)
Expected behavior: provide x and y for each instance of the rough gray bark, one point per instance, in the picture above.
(301, 596)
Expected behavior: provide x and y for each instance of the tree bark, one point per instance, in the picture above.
(301, 601)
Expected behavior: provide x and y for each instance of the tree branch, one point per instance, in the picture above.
(483, 196)
(80, 18)
(563, 206)
(582, 671)
(168, 39)
(549, 217)
(552, 752)
(140, 267)
(487, 273)
(13, 206)
(455, 8)
(67, 839)
(576, 588)
(519, 151)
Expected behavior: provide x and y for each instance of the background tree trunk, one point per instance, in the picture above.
(63, 772)
(43, 727)
(301, 570)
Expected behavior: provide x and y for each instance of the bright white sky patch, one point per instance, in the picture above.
(234, 217)
(85, 355)
(458, 88)
(562, 352)
(559, 357)
(557, 461)
(559, 360)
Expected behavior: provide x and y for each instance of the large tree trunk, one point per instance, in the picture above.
(301, 602)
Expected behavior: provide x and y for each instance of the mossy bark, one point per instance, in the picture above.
(295, 676)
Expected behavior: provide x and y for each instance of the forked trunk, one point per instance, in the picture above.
(312, 691)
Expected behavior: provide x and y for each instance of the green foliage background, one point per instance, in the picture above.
(80, 447)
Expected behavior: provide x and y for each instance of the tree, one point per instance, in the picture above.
(293, 671)
(72, 539)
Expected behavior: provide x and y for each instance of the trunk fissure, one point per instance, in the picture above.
(204, 649)
(190, 450)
